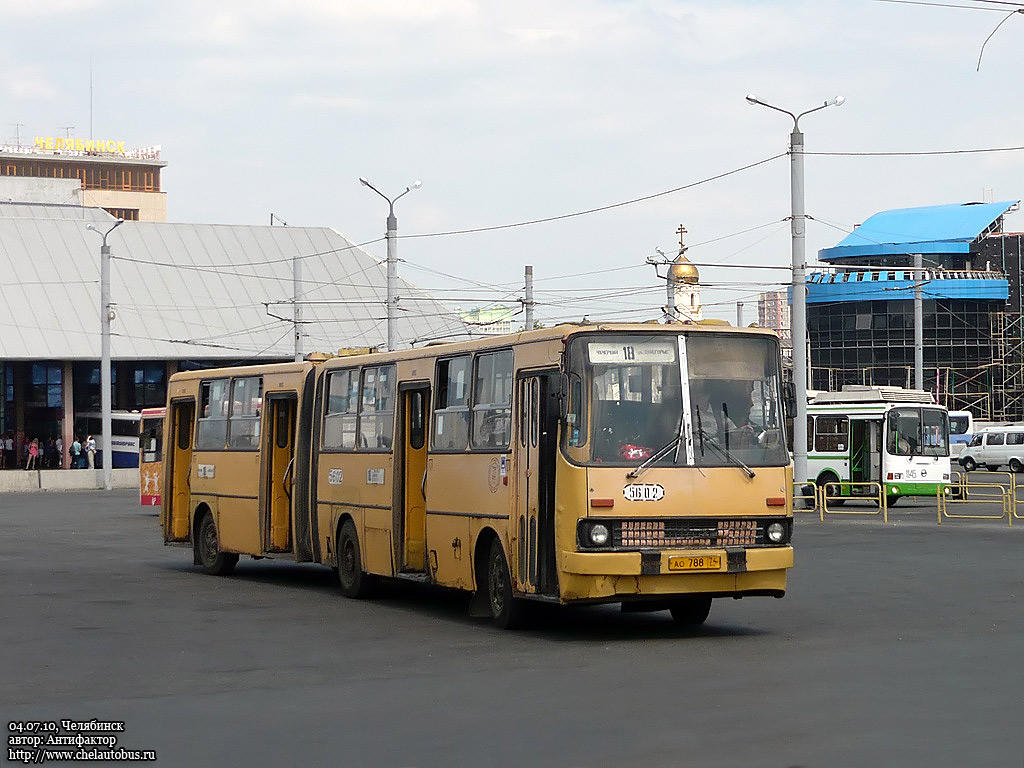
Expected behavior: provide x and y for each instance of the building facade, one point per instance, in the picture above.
(860, 312)
(182, 296)
(125, 182)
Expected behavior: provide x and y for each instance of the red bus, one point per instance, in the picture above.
(151, 431)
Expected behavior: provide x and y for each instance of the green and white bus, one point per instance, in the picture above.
(888, 435)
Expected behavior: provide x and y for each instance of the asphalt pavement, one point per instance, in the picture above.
(897, 645)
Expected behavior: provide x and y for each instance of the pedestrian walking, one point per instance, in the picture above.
(58, 445)
(33, 454)
(75, 452)
(90, 451)
(9, 450)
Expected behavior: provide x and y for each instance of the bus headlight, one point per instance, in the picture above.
(599, 535)
(776, 532)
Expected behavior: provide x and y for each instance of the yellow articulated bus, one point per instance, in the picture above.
(638, 464)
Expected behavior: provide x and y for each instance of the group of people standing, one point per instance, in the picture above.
(47, 454)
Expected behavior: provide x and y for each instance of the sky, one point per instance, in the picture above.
(511, 113)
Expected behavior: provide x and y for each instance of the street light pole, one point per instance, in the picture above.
(798, 321)
(105, 318)
(391, 237)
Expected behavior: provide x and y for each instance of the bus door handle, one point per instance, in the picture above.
(423, 484)
(284, 478)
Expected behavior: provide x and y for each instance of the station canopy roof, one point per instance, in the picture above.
(194, 291)
(932, 229)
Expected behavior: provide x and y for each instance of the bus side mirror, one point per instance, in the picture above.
(789, 399)
(563, 396)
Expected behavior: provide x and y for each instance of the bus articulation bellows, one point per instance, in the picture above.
(640, 464)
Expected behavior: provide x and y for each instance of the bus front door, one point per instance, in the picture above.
(177, 476)
(414, 478)
(535, 479)
(279, 449)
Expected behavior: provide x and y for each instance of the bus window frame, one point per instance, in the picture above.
(442, 390)
(365, 414)
(351, 412)
(480, 409)
(228, 407)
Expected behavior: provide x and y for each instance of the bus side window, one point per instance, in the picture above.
(451, 414)
(377, 408)
(492, 400)
(831, 433)
(212, 433)
(246, 405)
(339, 429)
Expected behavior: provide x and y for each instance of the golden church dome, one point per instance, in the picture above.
(683, 271)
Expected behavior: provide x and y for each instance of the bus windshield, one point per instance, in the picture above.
(627, 403)
(917, 432)
(959, 423)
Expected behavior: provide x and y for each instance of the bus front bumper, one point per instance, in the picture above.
(609, 576)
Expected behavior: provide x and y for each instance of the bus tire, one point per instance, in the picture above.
(690, 611)
(208, 553)
(355, 582)
(506, 610)
(968, 464)
(833, 493)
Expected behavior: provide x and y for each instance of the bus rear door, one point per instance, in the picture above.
(279, 455)
(177, 478)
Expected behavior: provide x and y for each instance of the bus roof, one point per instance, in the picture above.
(856, 393)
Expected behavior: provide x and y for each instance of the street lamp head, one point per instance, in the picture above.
(838, 101)
(363, 181)
(752, 99)
(90, 226)
(417, 184)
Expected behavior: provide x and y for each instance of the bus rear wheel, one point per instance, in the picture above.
(690, 611)
(506, 610)
(354, 582)
(208, 553)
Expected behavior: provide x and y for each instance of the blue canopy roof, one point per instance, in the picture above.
(931, 229)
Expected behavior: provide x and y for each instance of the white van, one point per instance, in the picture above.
(994, 447)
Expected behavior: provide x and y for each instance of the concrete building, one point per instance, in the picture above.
(183, 296)
(773, 312)
(102, 174)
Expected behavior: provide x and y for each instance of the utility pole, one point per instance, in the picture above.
(106, 315)
(739, 314)
(529, 297)
(391, 236)
(798, 321)
(296, 293)
(918, 323)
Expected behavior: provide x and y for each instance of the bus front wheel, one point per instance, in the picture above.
(354, 582)
(208, 553)
(689, 611)
(506, 610)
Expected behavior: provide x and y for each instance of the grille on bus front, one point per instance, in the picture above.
(687, 533)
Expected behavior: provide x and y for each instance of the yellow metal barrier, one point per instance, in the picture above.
(878, 497)
(973, 493)
(801, 496)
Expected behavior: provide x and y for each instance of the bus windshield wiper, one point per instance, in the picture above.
(713, 442)
(635, 473)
